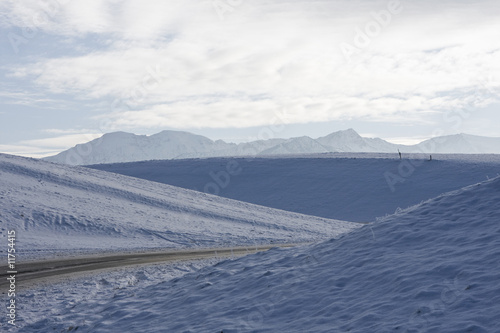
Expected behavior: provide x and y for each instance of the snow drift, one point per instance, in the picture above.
(57, 208)
(434, 267)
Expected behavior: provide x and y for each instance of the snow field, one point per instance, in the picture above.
(433, 267)
(349, 187)
(63, 209)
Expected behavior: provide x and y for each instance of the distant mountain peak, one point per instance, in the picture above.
(118, 133)
(349, 130)
(172, 132)
(348, 133)
(122, 146)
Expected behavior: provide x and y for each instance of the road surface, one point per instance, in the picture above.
(31, 273)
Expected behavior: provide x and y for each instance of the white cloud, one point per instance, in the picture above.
(407, 140)
(27, 151)
(61, 142)
(69, 131)
(129, 19)
(240, 113)
(181, 66)
(48, 146)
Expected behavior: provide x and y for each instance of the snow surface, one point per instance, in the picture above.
(434, 267)
(461, 143)
(351, 187)
(62, 209)
(126, 147)
(49, 300)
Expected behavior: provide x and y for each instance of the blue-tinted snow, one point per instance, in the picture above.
(434, 267)
(59, 209)
(346, 186)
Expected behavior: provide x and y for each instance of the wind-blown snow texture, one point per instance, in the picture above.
(57, 208)
(434, 267)
(126, 147)
(48, 300)
(351, 187)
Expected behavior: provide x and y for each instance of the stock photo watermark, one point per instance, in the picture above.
(152, 78)
(47, 11)
(11, 278)
(452, 292)
(221, 179)
(261, 311)
(224, 7)
(455, 119)
(363, 37)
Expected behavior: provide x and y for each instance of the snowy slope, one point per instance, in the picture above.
(432, 268)
(351, 187)
(350, 141)
(126, 147)
(60, 208)
(461, 143)
(243, 149)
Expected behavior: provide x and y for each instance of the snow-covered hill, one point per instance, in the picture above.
(462, 144)
(58, 208)
(350, 141)
(347, 186)
(126, 147)
(434, 267)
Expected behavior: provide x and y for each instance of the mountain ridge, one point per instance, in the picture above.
(117, 147)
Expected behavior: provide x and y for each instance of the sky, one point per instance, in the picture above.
(401, 70)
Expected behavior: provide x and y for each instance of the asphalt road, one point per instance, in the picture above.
(32, 273)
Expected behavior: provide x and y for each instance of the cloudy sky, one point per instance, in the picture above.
(400, 70)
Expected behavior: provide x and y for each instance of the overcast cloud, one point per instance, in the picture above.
(395, 69)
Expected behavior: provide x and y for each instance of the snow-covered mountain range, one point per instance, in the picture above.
(127, 147)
